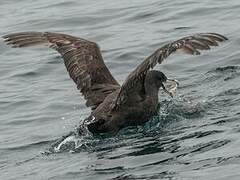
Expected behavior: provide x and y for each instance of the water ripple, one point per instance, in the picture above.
(194, 136)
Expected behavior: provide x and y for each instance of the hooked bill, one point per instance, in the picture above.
(171, 86)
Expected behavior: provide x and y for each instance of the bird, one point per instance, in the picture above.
(114, 106)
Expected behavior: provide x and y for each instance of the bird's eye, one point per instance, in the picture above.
(101, 121)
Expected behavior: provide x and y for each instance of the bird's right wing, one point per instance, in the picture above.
(189, 45)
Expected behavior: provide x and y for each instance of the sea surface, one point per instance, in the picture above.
(197, 133)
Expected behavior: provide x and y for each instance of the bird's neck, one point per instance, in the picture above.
(151, 100)
(151, 89)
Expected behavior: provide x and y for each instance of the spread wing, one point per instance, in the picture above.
(82, 59)
(190, 45)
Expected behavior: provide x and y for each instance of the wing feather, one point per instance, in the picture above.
(190, 45)
(82, 59)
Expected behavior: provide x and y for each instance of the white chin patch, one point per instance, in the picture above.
(89, 120)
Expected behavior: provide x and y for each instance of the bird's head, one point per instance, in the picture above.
(160, 80)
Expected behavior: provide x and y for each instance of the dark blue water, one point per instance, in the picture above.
(196, 135)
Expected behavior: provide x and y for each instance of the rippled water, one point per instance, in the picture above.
(196, 135)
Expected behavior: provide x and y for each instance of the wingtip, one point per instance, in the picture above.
(220, 35)
(217, 36)
(5, 38)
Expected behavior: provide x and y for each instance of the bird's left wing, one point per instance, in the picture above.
(82, 59)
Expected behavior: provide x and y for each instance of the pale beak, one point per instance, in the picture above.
(170, 86)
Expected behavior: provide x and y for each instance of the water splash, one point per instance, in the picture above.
(170, 111)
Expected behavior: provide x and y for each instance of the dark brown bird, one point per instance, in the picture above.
(114, 106)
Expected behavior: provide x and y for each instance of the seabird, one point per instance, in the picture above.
(114, 106)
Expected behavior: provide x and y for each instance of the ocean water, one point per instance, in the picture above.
(195, 136)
